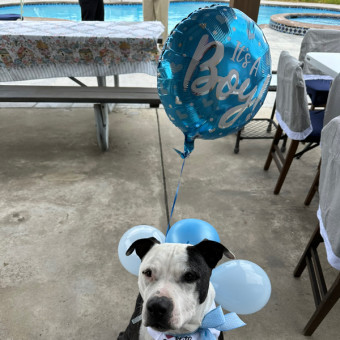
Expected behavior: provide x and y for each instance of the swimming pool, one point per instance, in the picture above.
(317, 20)
(134, 12)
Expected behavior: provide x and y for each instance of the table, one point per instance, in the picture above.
(326, 62)
(48, 49)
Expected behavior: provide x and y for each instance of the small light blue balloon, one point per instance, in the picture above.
(191, 231)
(241, 286)
(132, 262)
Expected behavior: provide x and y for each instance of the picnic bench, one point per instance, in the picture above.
(51, 49)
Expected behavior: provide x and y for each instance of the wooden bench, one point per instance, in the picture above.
(99, 95)
(70, 94)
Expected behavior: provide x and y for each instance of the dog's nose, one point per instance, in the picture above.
(159, 311)
(159, 306)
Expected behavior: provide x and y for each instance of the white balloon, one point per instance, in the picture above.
(132, 262)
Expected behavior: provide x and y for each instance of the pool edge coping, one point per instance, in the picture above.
(280, 22)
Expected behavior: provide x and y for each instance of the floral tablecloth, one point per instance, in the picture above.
(45, 49)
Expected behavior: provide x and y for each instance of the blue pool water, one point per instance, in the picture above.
(318, 20)
(117, 12)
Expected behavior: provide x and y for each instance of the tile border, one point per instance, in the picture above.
(281, 22)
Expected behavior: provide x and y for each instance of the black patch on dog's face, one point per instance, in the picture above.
(202, 259)
(198, 266)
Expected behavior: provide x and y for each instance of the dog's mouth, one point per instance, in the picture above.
(158, 325)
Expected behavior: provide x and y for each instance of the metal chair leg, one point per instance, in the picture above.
(269, 128)
(237, 144)
(310, 146)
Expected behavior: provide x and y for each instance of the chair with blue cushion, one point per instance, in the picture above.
(317, 86)
(332, 110)
(317, 83)
(295, 120)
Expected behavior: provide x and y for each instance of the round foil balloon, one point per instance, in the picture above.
(214, 73)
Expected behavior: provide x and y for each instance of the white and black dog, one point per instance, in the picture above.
(174, 285)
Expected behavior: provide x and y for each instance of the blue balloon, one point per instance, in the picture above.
(132, 262)
(241, 286)
(191, 231)
(213, 73)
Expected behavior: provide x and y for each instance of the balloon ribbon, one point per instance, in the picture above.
(175, 198)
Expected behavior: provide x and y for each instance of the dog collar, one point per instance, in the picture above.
(212, 324)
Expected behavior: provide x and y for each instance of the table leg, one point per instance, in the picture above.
(102, 120)
(116, 80)
(102, 125)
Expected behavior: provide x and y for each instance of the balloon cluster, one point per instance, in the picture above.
(214, 73)
(213, 77)
(241, 286)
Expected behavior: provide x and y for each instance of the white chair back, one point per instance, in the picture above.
(318, 40)
(329, 191)
(292, 111)
(333, 101)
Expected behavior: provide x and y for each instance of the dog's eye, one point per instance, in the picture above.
(190, 277)
(147, 272)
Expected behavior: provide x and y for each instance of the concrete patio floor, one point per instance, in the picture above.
(64, 206)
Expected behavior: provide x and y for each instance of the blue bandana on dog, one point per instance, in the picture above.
(212, 324)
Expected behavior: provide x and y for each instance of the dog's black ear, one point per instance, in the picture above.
(142, 246)
(212, 252)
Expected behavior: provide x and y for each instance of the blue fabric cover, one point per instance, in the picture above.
(318, 89)
(316, 118)
(11, 17)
